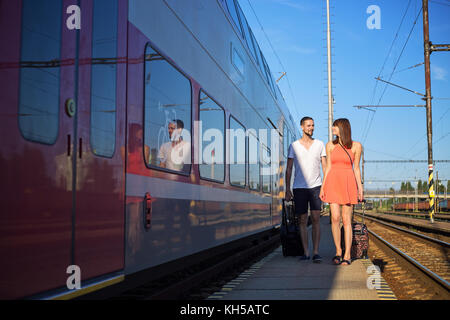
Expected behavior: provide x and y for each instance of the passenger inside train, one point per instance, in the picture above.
(176, 153)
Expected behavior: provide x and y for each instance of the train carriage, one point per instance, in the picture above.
(89, 90)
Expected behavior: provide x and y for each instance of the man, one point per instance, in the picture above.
(175, 154)
(307, 154)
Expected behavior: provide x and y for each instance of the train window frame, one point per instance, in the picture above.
(263, 146)
(182, 73)
(258, 162)
(237, 23)
(260, 60)
(35, 137)
(246, 28)
(237, 60)
(224, 138)
(285, 139)
(257, 49)
(246, 154)
(268, 76)
(91, 94)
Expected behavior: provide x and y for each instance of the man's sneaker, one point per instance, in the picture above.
(304, 257)
(317, 258)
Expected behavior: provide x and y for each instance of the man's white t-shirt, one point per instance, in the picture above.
(175, 157)
(307, 163)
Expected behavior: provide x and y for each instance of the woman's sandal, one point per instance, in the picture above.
(348, 262)
(337, 260)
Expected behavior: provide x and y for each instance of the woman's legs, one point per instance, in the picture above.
(335, 227)
(347, 221)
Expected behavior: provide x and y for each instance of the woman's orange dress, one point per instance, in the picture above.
(340, 184)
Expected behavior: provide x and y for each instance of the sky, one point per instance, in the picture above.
(296, 30)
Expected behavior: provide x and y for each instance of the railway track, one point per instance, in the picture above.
(417, 267)
(420, 215)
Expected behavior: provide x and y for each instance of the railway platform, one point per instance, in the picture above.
(276, 277)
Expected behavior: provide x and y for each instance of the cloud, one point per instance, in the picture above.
(438, 73)
(290, 3)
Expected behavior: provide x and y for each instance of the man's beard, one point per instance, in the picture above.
(309, 135)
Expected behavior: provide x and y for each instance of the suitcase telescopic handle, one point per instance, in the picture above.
(363, 207)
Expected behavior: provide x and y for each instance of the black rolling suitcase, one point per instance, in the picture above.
(291, 241)
(360, 239)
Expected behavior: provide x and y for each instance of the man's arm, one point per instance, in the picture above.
(288, 192)
(324, 164)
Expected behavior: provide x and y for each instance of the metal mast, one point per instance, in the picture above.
(427, 52)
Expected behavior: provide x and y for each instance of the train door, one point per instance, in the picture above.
(62, 197)
(37, 81)
(100, 163)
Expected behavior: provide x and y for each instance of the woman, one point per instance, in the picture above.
(342, 185)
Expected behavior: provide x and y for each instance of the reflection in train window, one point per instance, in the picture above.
(265, 168)
(40, 70)
(103, 77)
(253, 160)
(237, 156)
(167, 114)
(232, 10)
(212, 144)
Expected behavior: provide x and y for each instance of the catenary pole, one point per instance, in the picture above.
(427, 52)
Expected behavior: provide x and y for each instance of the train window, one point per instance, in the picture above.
(265, 168)
(268, 75)
(237, 61)
(40, 70)
(253, 161)
(264, 69)
(167, 115)
(212, 122)
(103, 77)
(233, 13)
(257, 50)
(246, 32)
(237, 154)
(285, 139)
(259, 56)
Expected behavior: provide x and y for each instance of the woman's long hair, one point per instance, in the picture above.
(345, 132)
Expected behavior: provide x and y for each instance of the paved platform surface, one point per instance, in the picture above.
(286, 278)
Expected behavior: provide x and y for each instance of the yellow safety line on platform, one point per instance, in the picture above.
(89, 289)
(384, 291)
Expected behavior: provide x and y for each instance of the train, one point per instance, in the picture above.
(368, 205)
(443, 205)
(97, 98)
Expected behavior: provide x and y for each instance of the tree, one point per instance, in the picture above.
(440, 187)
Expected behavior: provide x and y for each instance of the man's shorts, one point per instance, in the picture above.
(304, 196)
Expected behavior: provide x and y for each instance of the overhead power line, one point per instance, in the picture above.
(395, 67)
(381, 71)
